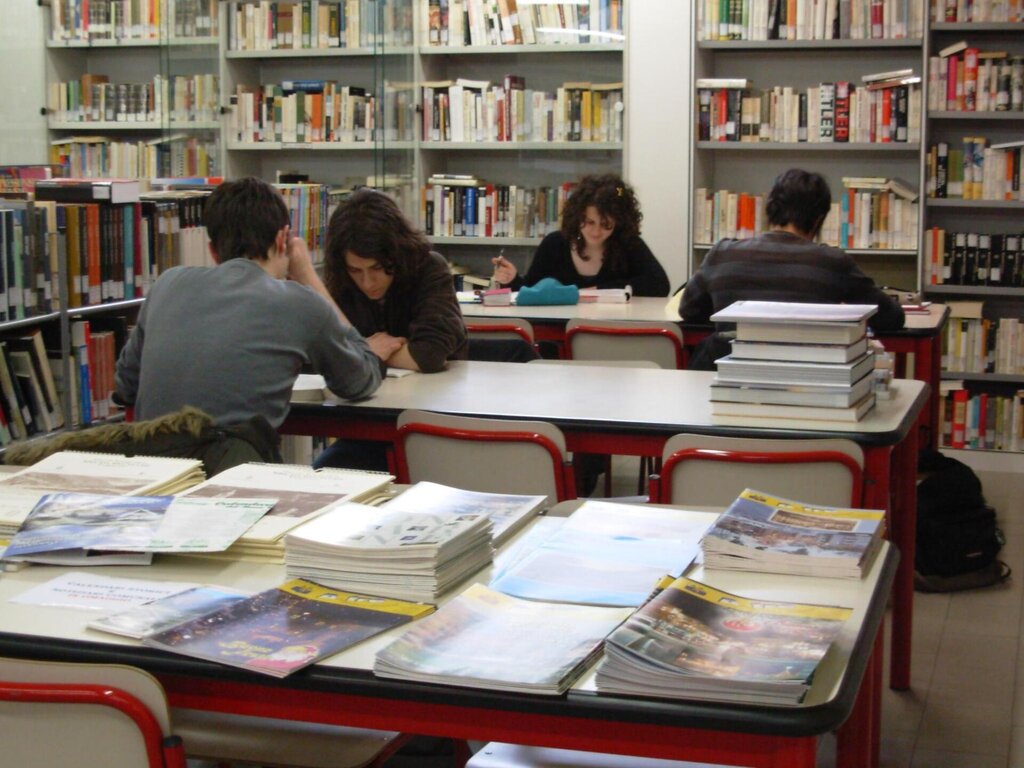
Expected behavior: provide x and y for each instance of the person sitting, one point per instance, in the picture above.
(783, 264)
(231, 339)
(597, 246)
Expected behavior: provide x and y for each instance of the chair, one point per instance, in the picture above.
(85, 715)
(605, 363)
(500, 328)
(625, 340)
(704, 470)
(129, 724)
(488, 455)
(497, 755)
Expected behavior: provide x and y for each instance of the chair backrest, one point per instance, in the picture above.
(605, 363)
(500, 328)
(85, 715)
(487, 455)
(661, 342)
(713, 471)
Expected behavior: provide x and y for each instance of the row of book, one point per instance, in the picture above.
(808, 19)
(457, 23)
(476, 110)
(977, 171)
(303, 111)
(862, 218)
(29, 395)
(317, 24)
(463, 207)
(93, 98)
(962, 12)
(829, 112)
(965, 79)
(93, 20)
(973, 258)
(983, 420)
(973, 343)
(174, 155)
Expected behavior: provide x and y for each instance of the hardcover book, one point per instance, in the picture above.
(750, 413)
(731, 368)
(822, 396)
(166, 612)
(812, 353)
(284, 629)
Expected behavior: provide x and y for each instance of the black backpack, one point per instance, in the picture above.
(958, 539)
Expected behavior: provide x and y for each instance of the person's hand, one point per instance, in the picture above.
(384, 345)
(300, 263)
(504, 270)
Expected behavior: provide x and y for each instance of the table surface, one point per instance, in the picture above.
(61, 633)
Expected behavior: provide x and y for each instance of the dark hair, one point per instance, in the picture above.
(800, 198)
(243, 217)
(371, 225)
(615, 200)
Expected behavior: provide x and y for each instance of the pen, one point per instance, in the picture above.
(494, 275)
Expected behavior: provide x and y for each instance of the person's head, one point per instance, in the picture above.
(244, 218)
(371, 245)
(801, 199)
(602, 211)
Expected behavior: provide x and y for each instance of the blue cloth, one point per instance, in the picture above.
(548, 291)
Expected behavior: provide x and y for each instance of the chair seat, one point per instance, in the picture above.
(497, 755)
(272, 742)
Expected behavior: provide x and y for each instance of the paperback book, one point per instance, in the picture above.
(692, 641)
(760, 532)
(749, 413)
(166, 612)
(822, 396)
(734, 369)
(484, 639)
(800, 352)
(284, 629)
(604, 554)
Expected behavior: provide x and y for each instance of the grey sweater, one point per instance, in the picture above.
(231, 341)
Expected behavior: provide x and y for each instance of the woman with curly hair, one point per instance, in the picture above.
(598, 245)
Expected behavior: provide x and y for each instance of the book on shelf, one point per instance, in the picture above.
(606, 295)
(953, 48)
(888, 75)
(880, 85)
(281, 630)
(693, 641)
(798, 351)
(732, 368)
(602, 554)
(507, 512)
(819, 396)
(864, 182)
(82, 472)
(71, 524)
(485, 639)
(301, 493)
(454, 180)
(390, 553)
(723, 82)
(166, 612)
(764, 533)
(88, 190)
(730, 412)
(1008, 144)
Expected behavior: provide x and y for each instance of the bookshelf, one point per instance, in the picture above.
(983, 382)
(788, 68)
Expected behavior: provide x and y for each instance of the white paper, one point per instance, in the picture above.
(92, 592)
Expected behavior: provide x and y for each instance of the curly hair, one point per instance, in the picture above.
(371, 225)
(243, 217)
(614, 199)
(800, 198)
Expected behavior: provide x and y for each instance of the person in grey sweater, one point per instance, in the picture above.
(231, 339)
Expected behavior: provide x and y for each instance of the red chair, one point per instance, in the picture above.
(487, 455)
(500, 328)
(703, 470)
(596, 340)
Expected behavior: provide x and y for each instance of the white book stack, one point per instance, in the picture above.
(793, 361)
(387, 553)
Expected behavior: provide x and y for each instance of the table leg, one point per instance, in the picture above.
(904, 519)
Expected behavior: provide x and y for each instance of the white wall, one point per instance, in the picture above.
(658, 121)
(22, 82)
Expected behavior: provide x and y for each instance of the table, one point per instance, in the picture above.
(921, 337)
(342, 689)
(633, 411)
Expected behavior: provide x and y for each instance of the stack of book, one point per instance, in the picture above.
(692, 641)
(762, 533)
(790, 361)
(300, 493)
(378, 551)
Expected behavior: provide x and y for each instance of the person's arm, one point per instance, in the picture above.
(696, 305)
(646, 275)
(341, 354)
(545, 260)
(302, 271)
(129, 363)
(861, 289)
(436, 328)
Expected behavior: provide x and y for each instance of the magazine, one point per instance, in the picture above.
(484, 639)
(692, 641)
(760, 532)
(83, 472)
(605, 554)
(81, 522)
(166, 612)
(284, 629)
